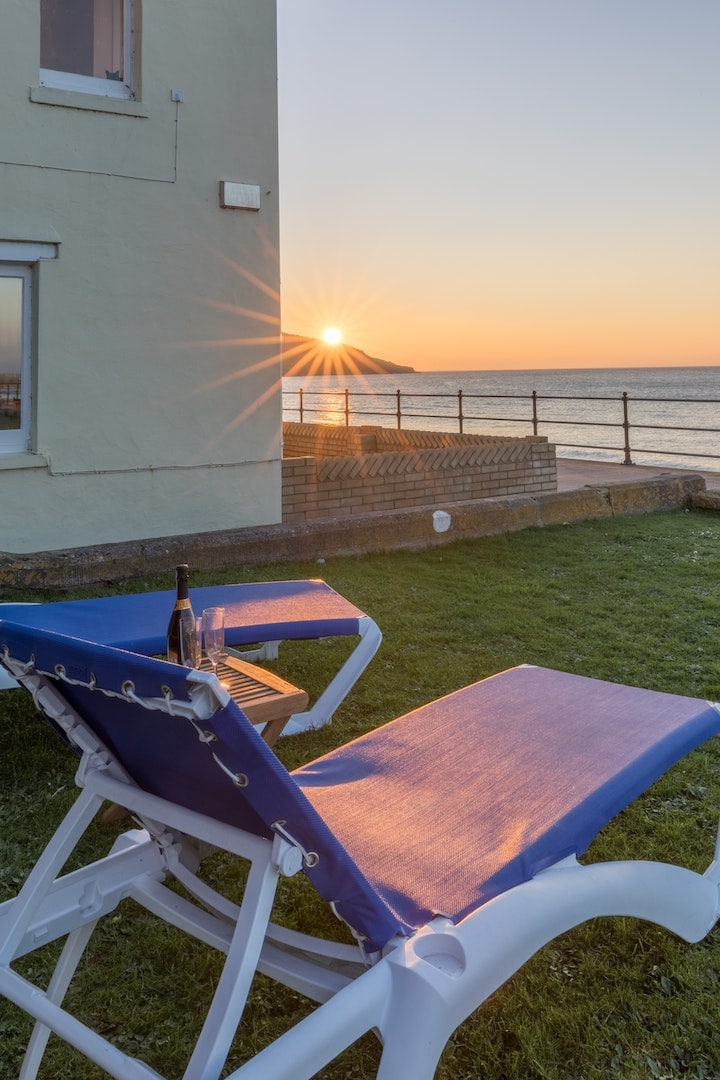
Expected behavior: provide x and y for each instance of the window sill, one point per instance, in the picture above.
(20, 460)
(73, 99)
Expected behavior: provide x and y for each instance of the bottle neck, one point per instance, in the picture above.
(182, 584)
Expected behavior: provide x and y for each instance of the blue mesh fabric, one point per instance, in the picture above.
(256, 611)
(464, 798)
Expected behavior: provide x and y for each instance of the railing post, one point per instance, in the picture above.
(534, 412)
(347, 407)
(460, 411)
(626, 429)
(300, 392)
(399, 410)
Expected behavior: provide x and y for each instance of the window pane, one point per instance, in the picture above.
(11, 351)
(108, 31)
(84, 37)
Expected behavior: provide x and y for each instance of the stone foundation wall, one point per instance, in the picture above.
(336, 472)
(410, 530)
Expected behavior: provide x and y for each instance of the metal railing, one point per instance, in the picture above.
(402, 408)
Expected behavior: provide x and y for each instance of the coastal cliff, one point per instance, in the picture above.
(303, 356)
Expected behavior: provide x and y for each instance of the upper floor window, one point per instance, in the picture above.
(86, 45)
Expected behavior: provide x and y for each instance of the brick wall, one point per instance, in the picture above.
(327, 440)
(332, 472)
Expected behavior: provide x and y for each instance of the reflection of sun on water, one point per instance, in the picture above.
(332, 336)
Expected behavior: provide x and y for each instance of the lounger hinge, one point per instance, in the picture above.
(283, 839)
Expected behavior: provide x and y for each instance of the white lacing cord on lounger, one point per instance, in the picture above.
(18, 667)
(44, 694)
(64, 677)
(167, 703)
(238, 778)
(310, 858)
(28, 673)
(54, 706)
(205, 736)
(369, 958)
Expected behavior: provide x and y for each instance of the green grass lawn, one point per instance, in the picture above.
(635, 600)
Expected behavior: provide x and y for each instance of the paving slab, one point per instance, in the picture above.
(575, 473)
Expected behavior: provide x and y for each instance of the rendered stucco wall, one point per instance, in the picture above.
(157, 401)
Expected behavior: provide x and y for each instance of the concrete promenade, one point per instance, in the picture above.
(575, 473)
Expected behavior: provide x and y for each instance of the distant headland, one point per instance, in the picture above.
(303, 356)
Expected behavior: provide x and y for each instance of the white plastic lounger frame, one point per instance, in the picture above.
(323, 708)
(416, 976)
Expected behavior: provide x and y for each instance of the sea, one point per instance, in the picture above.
(673, 413)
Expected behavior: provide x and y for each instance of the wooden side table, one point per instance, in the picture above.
(264, 697)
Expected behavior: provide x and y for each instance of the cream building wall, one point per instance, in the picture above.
(156, 395)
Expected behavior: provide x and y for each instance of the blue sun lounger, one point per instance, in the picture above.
(264, 613)
(447, 840)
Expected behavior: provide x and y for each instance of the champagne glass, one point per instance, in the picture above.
(213, 621)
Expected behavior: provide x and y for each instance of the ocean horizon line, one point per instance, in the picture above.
(507, 370)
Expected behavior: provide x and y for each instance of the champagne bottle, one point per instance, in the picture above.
(182, 617)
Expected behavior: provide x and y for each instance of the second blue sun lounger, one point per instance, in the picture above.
(257, 612)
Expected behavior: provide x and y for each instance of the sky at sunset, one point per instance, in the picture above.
(503, 183)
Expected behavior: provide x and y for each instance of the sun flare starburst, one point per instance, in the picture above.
(331, 335)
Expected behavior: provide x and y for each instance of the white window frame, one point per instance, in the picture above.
(88, 84)
(18, 260)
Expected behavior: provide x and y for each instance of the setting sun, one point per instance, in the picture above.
(331, 336)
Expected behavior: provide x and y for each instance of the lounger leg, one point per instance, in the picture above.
(267, 650)
(303, 1050)
(43, 873)
(88, 1042)
(419, 1026)
(336, 691)
(65, 969)
(228, 1004)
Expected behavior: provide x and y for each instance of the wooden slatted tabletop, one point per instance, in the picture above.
(262, 695)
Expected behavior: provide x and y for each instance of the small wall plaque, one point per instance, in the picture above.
(235, 196)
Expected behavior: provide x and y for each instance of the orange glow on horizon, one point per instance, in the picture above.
(520, 317)
(544, 340)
